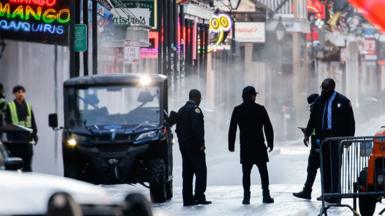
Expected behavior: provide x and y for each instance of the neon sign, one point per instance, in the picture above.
(44, 21)
(317, 8)
(220, 26)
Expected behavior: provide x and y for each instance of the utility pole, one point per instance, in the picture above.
(85, 53)
(160, 37)
(74, 56)
(94, 37)
(298, 70)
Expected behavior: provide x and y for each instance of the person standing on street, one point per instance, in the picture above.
(254, 125)
(19, 112)
(331, 116)
(190, 131)
(313, 161)
(3, 104)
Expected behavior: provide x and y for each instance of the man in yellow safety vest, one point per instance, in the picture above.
(19, 112)
(3, 104)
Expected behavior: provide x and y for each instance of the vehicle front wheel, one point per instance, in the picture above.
(158, 184)
(73, 171)
(367, 205)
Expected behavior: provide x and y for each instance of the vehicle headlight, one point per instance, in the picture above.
(147, 135)
(145, 80)
(74, 140)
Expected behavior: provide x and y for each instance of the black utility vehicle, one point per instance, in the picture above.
(115, 131)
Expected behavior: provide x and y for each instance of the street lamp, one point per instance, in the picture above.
(234, 4)
(280, 30)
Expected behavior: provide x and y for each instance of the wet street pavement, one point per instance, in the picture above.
(227, 202)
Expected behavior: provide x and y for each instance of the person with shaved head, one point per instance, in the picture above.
(331, 116)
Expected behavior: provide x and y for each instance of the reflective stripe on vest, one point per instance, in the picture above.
(15, 117)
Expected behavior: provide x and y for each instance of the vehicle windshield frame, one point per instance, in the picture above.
(74, 89)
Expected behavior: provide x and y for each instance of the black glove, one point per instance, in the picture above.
(306, 141)
(270, 148)
(35, 138)
(172, 119)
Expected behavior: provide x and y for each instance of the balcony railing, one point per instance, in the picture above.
(294, 8)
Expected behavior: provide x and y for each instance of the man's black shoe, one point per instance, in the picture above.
(186, 204)
(330, 200)
(203, 202)
(267, 199)
(246, 198)
(333, 200)
(303, 195)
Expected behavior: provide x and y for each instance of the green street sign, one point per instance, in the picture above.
(152, 5)
(80, 40)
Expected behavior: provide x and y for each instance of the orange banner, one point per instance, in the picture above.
(372, 10)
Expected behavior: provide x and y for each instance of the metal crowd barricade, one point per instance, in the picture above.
(352, 168)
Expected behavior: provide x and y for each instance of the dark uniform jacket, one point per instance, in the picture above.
(190, 127)
(343, 123)
(253, 122)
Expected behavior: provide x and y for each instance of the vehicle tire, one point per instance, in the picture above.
(363, 176)
(72, 171)
(169, 190)
(157, 172)
(367, 205)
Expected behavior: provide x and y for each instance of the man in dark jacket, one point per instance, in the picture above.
(331, 116)
(254, 124)
(313, 161)
(190, 131)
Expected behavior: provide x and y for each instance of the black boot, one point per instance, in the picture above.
(304, 194)
(246, 198)
(267, 198)
(201, 200)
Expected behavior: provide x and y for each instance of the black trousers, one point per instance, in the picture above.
(331, 167)
(262, 167)
(313, 165)
(23, 151)
(194, 163)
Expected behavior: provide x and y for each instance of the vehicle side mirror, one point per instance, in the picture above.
(53, 121)
(13, 163)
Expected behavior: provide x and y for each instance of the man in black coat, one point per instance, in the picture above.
(190, 131)
(331, 116)
(254, 124)
(314, 158)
